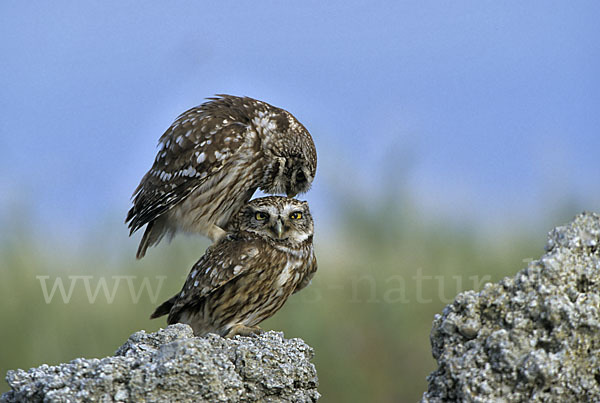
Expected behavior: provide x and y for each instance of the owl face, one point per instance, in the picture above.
(292, 162)
(291, 175)
(277, 218)
(301, 177)
(297, 178)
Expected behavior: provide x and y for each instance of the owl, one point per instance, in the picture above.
(211, 161)
(246, 276)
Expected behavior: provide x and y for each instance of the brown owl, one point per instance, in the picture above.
(247, 275)
(211, 161)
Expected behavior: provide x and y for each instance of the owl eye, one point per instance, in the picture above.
(261, 216)
(296, 215)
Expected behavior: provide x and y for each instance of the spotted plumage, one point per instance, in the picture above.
(211, 161)
(246, 276)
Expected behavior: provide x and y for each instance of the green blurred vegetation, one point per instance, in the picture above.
(366, 314)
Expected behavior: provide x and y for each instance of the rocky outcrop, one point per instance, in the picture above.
(173, 365)
(532, 337)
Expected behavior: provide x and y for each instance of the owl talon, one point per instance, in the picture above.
(241, 330)
(216, 233)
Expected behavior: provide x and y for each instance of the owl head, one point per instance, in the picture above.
(299, 176)
(291, 160)
(276, 218)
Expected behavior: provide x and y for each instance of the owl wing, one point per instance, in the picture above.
(228, 259)
(196, 147)
(310, 273)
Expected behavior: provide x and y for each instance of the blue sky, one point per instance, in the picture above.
(487, 110)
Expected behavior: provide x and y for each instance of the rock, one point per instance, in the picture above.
(533, 337)
(173, 365)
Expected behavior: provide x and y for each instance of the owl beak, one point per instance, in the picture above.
(279, 228)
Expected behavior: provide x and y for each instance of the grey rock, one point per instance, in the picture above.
(173, 365)
(532, 337)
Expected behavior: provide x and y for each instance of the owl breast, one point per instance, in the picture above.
(253, 297)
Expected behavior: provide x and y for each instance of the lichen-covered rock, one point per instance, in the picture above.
(173, 365)
(533, 337)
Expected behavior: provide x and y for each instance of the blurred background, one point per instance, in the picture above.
(451, 138)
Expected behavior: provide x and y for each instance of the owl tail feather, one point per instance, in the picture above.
(164, 308)
(146, 241)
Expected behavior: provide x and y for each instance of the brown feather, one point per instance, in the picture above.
(212, 159)
(248, 275)
(164, 308)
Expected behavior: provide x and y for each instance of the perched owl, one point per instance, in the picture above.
(247, 275)
(211, 161)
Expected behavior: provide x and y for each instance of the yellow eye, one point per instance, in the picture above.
(296, 215)
(260, 216)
